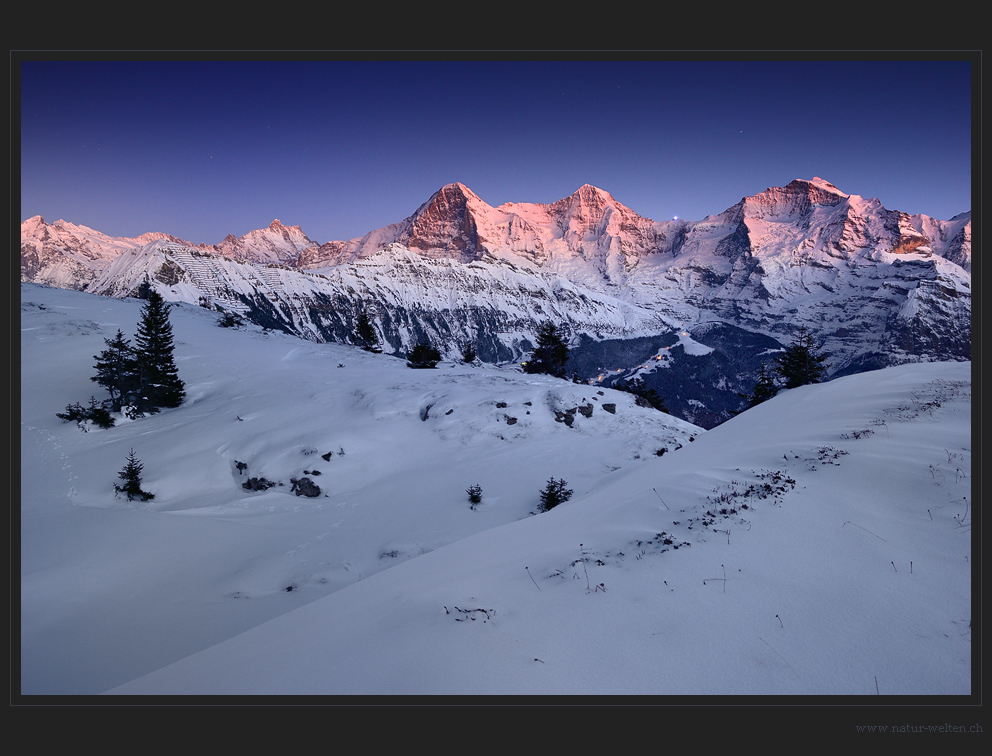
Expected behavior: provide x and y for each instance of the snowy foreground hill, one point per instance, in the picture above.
(819, 543)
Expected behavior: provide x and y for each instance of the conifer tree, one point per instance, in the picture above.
(116, 369)
(474, 495)
(468, 353)
(801, 363)
(764, 389)
(423, 355)
(365, 335)
(97, 413)
(131, 477)
(551, 354)
(645, 394)
(554, 493)
(160, 385)
(144, 288)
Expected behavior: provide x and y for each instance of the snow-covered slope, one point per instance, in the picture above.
(819, 543)
(105, 599)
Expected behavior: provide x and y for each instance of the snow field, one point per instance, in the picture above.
(842, 556)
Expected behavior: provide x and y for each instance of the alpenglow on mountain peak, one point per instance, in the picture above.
(878, 286)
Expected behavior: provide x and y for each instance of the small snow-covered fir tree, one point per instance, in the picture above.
(131, 477)
(97, 413)
(474, 495)
(554, 493)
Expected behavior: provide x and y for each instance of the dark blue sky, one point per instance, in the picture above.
(202, 149)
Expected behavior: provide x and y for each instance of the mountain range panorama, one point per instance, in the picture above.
(877, 286)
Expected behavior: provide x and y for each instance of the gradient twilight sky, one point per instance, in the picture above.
(203, 149)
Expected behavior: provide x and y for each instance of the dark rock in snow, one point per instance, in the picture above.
(305, 487)
(257, 484)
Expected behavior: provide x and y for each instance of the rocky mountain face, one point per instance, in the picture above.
(692, 308)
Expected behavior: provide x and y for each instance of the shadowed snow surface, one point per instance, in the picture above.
(812, 545)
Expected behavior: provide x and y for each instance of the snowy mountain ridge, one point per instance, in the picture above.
(878, 287)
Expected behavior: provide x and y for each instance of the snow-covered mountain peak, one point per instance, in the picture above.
(794, 200)
(288, 232)
(588, 193)
(821, 184)
(591, 211)
(446, 225)
(32, 223)
(74, 228)
(275, 243)
(450, 196)
(587, 196)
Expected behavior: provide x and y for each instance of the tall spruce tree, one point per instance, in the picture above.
(801, 363)
(551, 354)
(160, 385)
